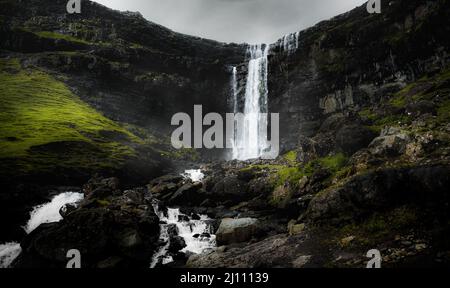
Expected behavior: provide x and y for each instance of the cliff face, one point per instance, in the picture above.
(354, 61)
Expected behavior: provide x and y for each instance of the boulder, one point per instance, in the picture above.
(187, 194)
(353, 137)
(98, 187)
(392, 142)
(229, 188)
(177, 243)
(119, 232)
(236, 230)
(278, 251)
(164, 187)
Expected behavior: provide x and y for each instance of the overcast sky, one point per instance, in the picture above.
(250, 21)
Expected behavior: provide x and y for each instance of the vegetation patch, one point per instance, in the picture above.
(381, 224)
(45, 127)
(54, 35)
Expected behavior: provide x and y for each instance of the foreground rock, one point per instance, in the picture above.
(280, 251)
(378, 190)
(236, 230)
(117, 230)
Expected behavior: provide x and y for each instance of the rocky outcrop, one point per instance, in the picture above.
(280, 251)
(379, 190)
(111, 229)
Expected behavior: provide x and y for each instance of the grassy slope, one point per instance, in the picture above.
(46, 128)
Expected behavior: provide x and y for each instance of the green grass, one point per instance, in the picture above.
(294, 171)
(54, 35)
(334, 163)
(368, 114)
(44, 126)
(291, 157)
(289, 174)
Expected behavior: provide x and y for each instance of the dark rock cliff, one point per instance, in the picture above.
(356, 60)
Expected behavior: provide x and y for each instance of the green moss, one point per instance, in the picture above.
(54, 35)
(46, 127)
(334, 163)
(182, 154)
(103, 203)
(368, 114)
(391, 120)
(291, 157)
(289, 174)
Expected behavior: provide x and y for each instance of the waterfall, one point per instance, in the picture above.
(289, 43)
(197, 234)
(251, 139)
(234, 90)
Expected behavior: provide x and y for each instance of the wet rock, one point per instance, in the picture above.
(164, 187)
(177, 243)
(187, 194)
(67, 209)
(183, 218)
(172, 230)
(101, 188)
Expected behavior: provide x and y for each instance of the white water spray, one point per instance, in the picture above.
(191, 231)
(195, 175)
(45, 213)
(234, 90)
(9, 252)
(49, 212)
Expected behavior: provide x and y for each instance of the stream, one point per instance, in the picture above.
(197, 233)
(44, 213)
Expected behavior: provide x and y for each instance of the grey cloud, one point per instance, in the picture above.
(251, 21)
